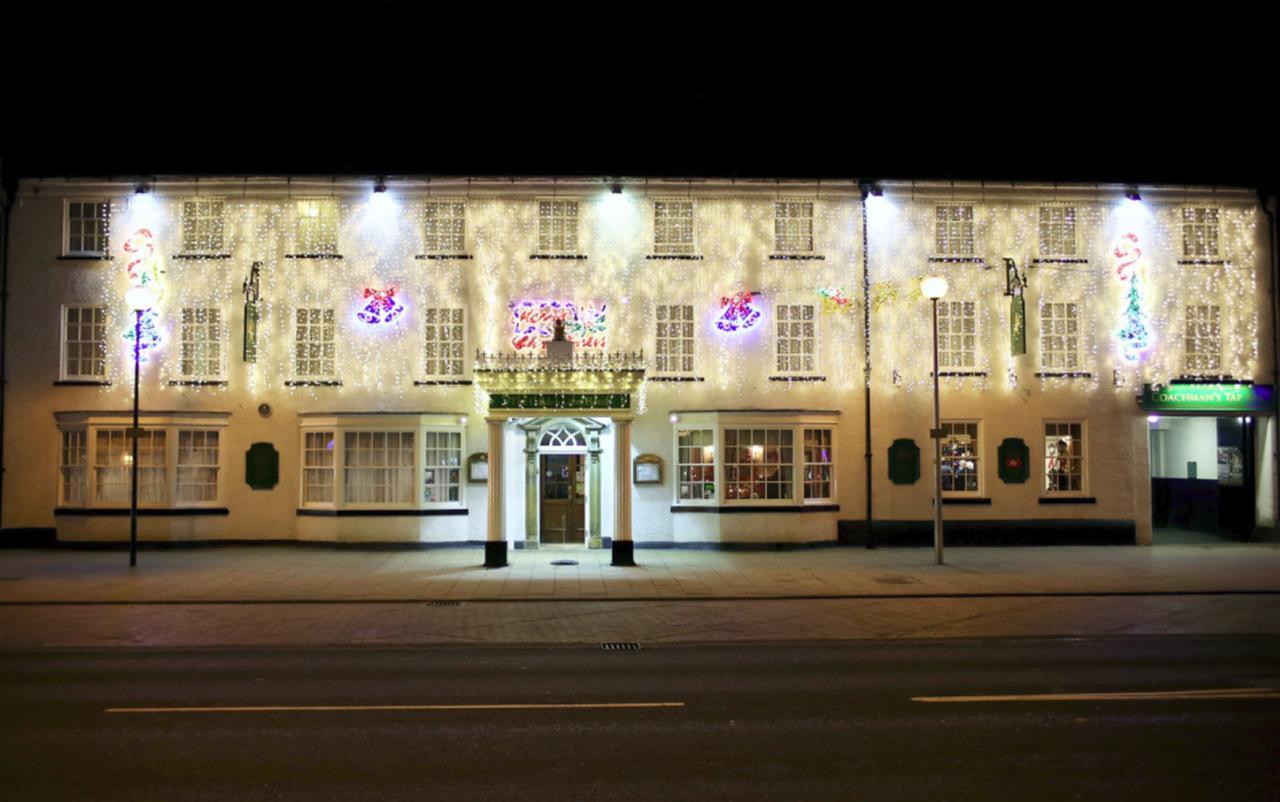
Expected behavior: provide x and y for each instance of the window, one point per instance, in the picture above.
(1058, 231)
(1063, 457)
(202, 226)
(759, 464)
(378, 467)
(317, 468)
(673, 227)
(442, 467)
(557, 226)
(793, 226)
(957, 335)
(1059, 336)
(84, 343)
(961, 448)
(817, 464)
(201, 343)
(316, 227)
(73, 468)
(88, 225)
(444, 227)
(113, 460)
(1199, 233)
(1204, 338)
(796, 345)
(953, 235)
(197, 466)
(695, 465)
(445, 342)
(314, 347)
(673, 341)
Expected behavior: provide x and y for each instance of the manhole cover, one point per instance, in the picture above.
(564, 562)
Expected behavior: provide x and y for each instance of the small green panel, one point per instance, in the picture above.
(250, 332)
(261, 466)
(560, 401)
(1017, 326)
(904, 462)
(1014, 459)
(1208, 398)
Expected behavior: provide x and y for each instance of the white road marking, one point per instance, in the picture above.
(393, 708)
(1116, 696)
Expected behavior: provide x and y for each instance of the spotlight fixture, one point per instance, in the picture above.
(1131, 192)
(142, 189)
(381, 185)
(871, 189)
(615, 186)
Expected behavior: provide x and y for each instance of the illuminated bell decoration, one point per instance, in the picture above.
(381, 307)
(736, 313)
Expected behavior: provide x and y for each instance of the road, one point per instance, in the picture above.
(742, 722)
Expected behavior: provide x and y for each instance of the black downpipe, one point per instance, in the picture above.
(5, 209)
(866, 353)
(1269, 208)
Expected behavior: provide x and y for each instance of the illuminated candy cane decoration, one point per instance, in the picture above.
(1128, 253)
(144, 272)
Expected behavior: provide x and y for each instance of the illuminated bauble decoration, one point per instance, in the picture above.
(380, 307)
(736, 312)
(145, 291)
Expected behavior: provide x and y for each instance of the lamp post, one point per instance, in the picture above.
(140, 299)
(935, 287)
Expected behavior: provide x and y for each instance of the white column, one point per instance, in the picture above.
(495, 547)
(623, 548)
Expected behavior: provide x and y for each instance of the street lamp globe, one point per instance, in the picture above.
(140, 298)
(934, 287)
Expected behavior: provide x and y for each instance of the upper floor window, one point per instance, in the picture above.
(315, 230)
(84, 342)
(1063, 457)
(793, 226)
(88, 224)
(200, 343)
(557, 226)
(796, 345)
(444, 227)
(1058, 231)
(445, 341)
(1200, 233)
(673, 227)
(202, 226)
(961, 455)
(1203, 341)
(957, 335)
(314, 346)
(953, 231)
(673, 340)
(1059, 335)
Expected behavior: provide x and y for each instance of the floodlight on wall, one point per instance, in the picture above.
(1131, 192)
(142, 189)
(870, 189)
(615, 187)
(380, 185)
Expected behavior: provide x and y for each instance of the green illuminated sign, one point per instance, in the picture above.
(1208, 398)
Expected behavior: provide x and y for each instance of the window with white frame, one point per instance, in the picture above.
(378, 467)
(73, 468)
(314, 345)
(673, 226)
(1058, 231)
(202, 226)
(444, 227)
(953, 231)
(315, 230)
(1059, 335)
(112, 467)
(673, 340)
(759, 464)
(88, 224)
(317, 467)
(197, 466)
(957, 335)
(557, 226)
(200, 343)
(793, 226)
(1200, 233)
(1063, 457)
(796, 345)
(1203, 341)
(441, 467)
(695, 465)
(961, 458)
(84, 342)
(445, 334)
(818, 452)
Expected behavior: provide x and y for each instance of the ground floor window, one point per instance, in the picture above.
(818, 465)
(696, 465)
(758, 464)
(1063, 457)
(961, 458)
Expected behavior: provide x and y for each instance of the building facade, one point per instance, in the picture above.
(601, 364)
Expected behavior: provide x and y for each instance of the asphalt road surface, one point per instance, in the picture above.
(1195, 718)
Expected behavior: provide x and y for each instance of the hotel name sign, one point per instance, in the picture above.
(1208, 398)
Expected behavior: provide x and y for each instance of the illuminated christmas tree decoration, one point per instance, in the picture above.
(144, 271)
(533, 323)
(380, 306)
(1134, 336)
(736, 313)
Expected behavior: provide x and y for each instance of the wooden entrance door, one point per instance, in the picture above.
(563, 491)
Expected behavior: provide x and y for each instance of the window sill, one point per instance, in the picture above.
(1068, 500)
(198, 383)
(959, 500)
(797, 378)
(143, 512)
(1059, 260)
(443, 257)
(319, 513)
(958, 260)
(313, 383)
(441, 382)
(1202, 261)
(743, 508)
(84, 257)
(82, 383)
(677, 379)
(1066, 374)
(558, 256)
(195, 257)
(796, 257)
(317, 256)
(685, 257)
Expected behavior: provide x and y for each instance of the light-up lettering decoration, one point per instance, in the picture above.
(834, 300)
(144, 271)
(380, 306)
(533, 323)
(736, 313)
(1134, 336)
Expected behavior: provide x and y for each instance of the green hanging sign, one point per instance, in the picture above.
(1208, 398)
(1017, 326)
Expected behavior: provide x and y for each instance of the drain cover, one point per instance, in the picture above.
(564, 562)
(444, 604)
(620, 646)
(897, 580)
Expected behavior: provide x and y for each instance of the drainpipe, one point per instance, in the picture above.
(1269, 208)
(5, 195)
(865, 188)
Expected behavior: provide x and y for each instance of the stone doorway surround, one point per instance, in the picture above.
(536, 432)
